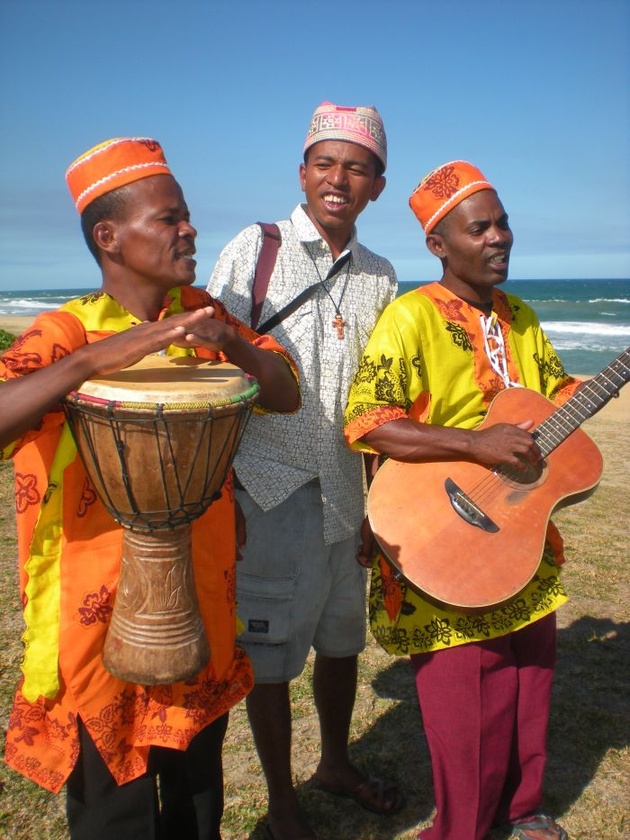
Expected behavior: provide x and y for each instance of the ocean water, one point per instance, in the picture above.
(588, 321)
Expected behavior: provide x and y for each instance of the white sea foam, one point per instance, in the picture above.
(609, 300)
(535, 302)
(585, 328)
(10, 306)
(27, 306)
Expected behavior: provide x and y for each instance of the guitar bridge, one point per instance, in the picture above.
(464, 506)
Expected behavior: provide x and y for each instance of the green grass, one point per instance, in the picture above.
(589, 756)
(6, 340)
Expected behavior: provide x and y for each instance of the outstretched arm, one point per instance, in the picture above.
(279, 390)
(25, 399)
(408, 440)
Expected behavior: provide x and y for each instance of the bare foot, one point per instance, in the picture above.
(287, 823)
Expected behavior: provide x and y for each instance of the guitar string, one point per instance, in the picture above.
(553, 424)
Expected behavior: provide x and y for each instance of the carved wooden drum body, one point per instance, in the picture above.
(157, 440)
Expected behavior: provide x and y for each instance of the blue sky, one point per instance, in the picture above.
(537, 94)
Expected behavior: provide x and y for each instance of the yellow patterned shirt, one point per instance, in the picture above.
(432, 357)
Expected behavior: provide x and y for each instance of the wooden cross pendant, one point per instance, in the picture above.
(339, 324)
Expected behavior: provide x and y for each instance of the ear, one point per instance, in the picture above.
(377, 187)
(435, 244)
(104, 234)
(303, 177)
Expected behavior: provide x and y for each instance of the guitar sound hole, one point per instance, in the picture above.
(527, 479)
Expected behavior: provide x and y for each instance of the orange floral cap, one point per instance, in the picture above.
(362, 125)
(113, 164)
(443, 189)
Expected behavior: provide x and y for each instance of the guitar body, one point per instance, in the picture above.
(472, 566)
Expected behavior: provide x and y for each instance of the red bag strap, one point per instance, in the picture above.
(264, 268)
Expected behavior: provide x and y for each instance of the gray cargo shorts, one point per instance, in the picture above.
(295, 592)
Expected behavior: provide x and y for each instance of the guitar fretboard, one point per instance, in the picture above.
(591, 397)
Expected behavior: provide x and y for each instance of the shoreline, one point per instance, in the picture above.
(616, 411)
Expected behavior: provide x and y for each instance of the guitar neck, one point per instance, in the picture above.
(586, 402)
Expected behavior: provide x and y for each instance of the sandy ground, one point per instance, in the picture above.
(14, 323)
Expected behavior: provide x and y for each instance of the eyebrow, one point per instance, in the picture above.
(331, 159)
(174, 208)
(486, 221)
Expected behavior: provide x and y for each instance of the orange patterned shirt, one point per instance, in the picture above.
(123, 719)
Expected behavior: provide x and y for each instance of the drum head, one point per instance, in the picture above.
(171, 381)
(158, 438)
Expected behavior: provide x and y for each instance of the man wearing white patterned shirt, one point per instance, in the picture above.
(299, 583)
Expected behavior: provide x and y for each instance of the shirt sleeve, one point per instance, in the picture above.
(265, 342)
(559, 385)
(379, 392)
(51, 336)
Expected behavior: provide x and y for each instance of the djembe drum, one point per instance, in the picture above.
(157, 440)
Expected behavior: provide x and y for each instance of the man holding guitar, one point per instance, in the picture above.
(436, 360)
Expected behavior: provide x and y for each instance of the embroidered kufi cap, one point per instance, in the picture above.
(362, 125)
(443, 189)
(113, 164)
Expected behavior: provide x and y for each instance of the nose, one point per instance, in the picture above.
(499, 235)
(337, 175)
(187, 230)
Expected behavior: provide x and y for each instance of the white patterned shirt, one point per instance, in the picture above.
(280, 453)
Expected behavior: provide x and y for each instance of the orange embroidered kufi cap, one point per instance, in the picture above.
(443, 189)
(113, 164)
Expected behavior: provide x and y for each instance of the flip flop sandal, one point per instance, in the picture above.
(373, 794)
(541, 827)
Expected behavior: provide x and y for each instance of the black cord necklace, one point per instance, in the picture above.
(343, 259)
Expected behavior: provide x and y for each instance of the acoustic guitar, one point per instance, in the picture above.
(472, 536)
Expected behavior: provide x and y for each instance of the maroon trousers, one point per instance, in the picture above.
(485, 708)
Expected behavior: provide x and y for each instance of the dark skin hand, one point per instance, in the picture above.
(412, 442)
(24, 401)
(368, 547)
(278, 388)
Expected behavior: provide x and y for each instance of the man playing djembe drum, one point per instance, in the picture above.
(72, 721)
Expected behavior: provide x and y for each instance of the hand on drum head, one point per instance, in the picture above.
(279, 390)
(209, 332)
(25, 400)
(128, 347)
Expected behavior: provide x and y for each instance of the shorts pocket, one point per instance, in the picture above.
(265, 607)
